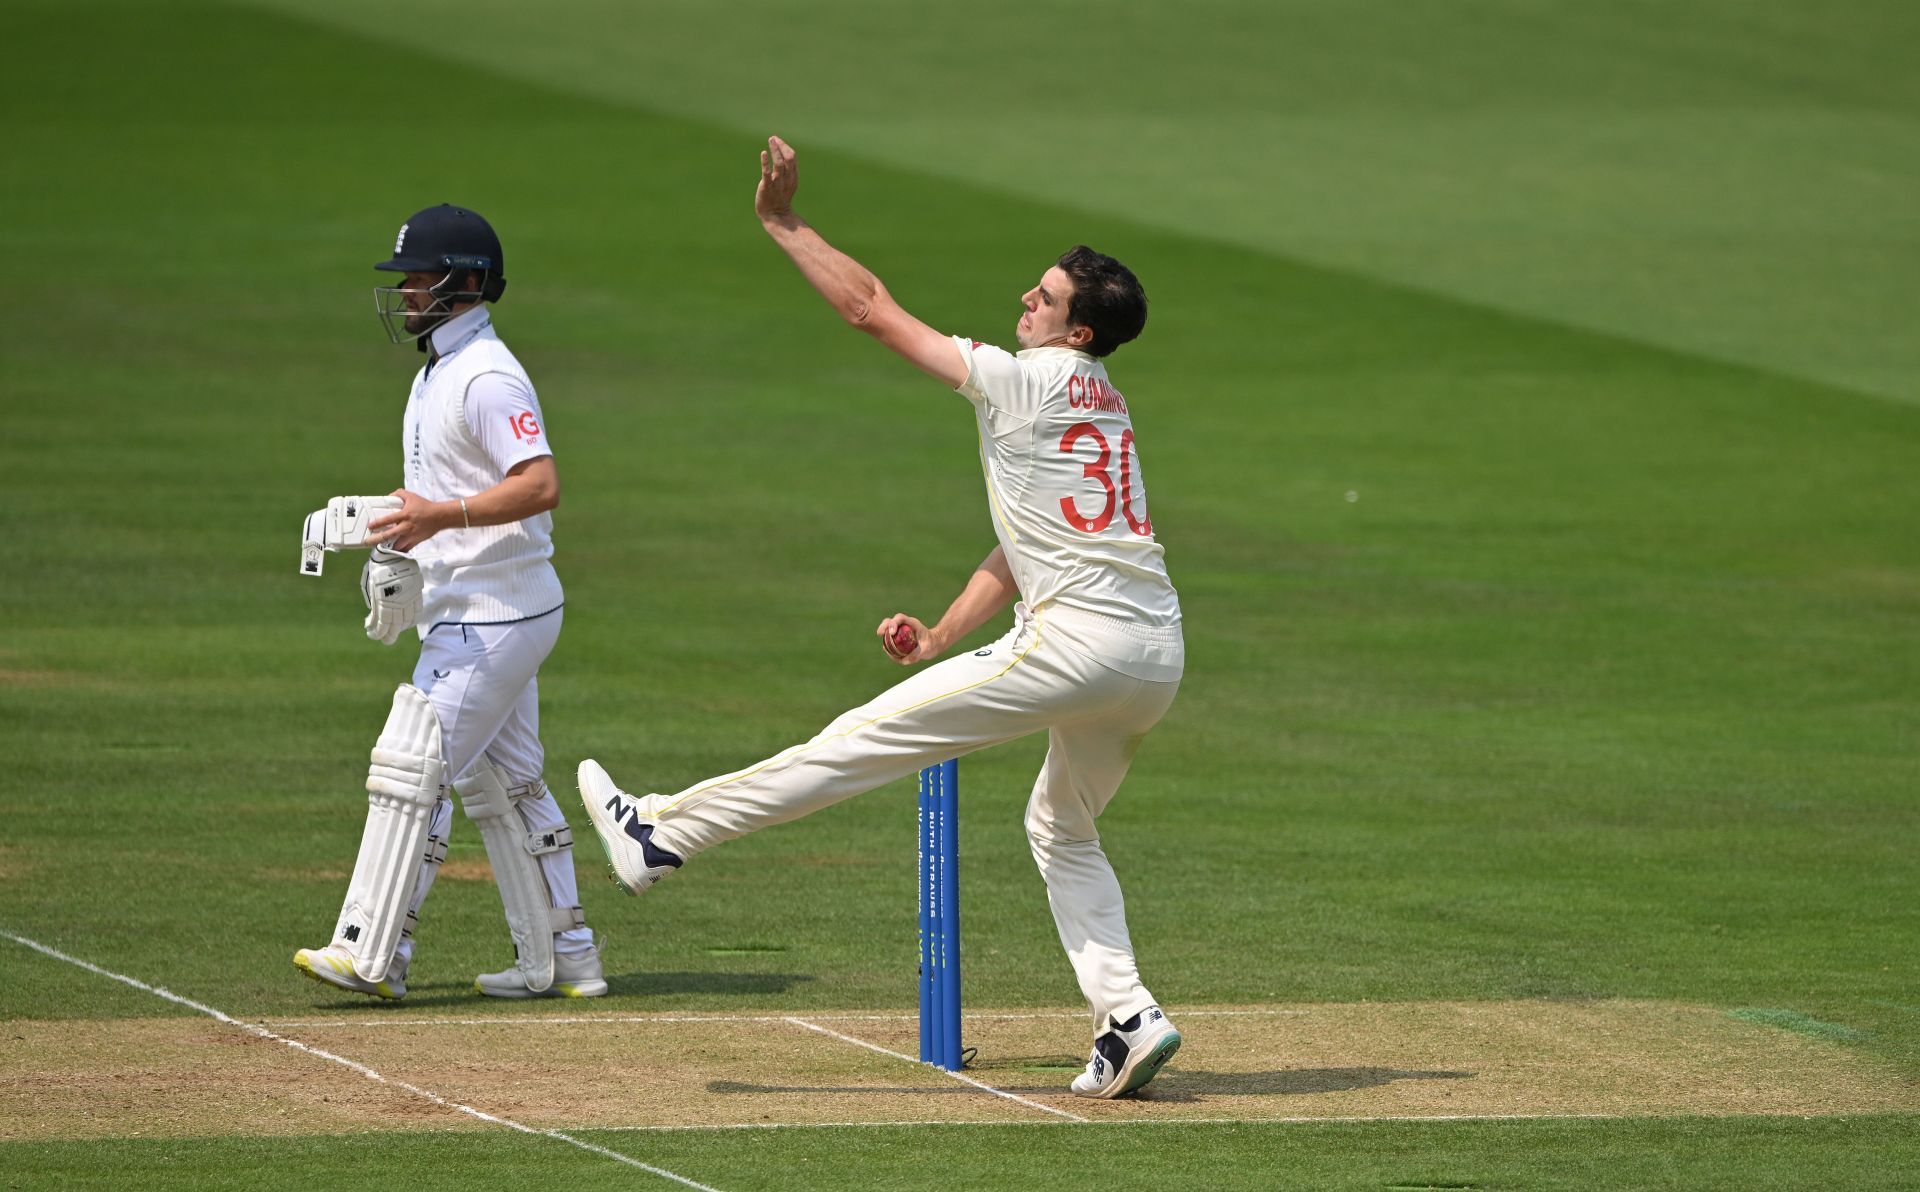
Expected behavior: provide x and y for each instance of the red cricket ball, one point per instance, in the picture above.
(901, 642)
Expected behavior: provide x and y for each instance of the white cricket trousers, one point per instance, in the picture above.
(1095, 718)
(483, 682)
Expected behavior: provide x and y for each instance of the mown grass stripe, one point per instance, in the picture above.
(1295, 1120)
(577, 1019)
(1799, 1024)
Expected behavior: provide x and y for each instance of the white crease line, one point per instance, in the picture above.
(362, 1069)
(986, 1088)
(579, 1020)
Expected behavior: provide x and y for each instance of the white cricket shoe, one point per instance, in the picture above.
(333, 966)
(573, 976)
(625, 831)
(1128, 1056)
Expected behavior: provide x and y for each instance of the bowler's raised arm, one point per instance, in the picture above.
(845, 283)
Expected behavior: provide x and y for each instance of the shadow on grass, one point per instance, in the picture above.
(639, 985)
(1186, 1084)
(1180, 1083)
(419, 993)
(1177, 1085)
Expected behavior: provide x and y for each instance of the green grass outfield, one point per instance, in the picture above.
(1827, 1153)
(1552, 626)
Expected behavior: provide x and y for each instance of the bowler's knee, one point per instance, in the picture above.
(1050, 835)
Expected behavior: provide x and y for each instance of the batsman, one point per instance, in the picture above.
(1093, 657)
(462, 555)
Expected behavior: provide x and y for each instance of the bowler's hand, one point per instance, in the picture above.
(924, 646)
(779, 178)
(418, 520)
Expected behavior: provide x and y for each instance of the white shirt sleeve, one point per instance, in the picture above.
(503, 416)
(997, 379)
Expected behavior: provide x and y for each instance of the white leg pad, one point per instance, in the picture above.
(403, 784)
(515, 855)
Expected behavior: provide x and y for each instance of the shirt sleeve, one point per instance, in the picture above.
(504, 417)
(996, 379)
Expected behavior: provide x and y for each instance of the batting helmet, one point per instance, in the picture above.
(447, 238)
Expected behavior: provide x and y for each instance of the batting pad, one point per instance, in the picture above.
(515, 855)
(403, 784)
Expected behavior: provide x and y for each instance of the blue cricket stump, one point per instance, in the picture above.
(940, 916)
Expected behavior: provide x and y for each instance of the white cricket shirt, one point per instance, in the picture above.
(471, 417)
(1069, 504)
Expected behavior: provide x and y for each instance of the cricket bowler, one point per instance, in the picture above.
(1093, 657)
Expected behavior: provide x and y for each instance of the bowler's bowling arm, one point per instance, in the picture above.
(990, 589)
(846, 284)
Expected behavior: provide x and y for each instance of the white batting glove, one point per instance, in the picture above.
(390, 584)
(343, 523)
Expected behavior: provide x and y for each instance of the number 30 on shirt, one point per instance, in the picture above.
(1099, 470)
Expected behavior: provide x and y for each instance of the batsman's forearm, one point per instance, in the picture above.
(517, 497)
(846, 284)
(989, 590)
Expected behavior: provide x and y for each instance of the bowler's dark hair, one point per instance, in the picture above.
(1107, 298)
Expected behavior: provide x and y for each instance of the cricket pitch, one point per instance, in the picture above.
(560, 1067)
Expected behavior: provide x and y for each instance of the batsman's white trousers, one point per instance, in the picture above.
(483, 682)
(1095, 718)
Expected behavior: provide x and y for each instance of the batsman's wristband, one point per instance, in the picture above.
(465, 521)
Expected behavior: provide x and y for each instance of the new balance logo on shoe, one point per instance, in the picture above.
(628, 817)
(641, 833)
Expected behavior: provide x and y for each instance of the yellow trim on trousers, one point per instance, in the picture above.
(796, 750)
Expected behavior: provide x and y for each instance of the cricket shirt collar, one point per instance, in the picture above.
(1041, 353)
(457, 332)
